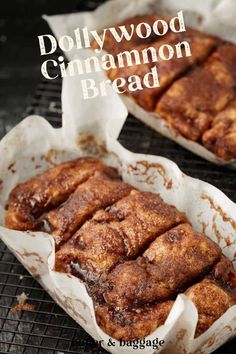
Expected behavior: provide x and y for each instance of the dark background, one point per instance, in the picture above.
(20, 61)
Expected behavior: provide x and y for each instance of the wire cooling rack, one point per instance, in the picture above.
(48, 329)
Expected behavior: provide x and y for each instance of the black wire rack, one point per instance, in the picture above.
(48, 329)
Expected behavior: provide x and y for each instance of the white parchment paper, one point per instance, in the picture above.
(215, 17)
(92, 128)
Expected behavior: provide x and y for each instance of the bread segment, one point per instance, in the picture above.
(114, 47)
(174, 260)
(200, 45)
(132, 324)
(119, 232)
(221, 137)
(192, 102)
(30, 200)
(211, 301)
(99, 191)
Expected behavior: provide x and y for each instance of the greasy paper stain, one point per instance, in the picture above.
(89, 144)
(12, 167)
(217, 233)
(67, 303)
(219, 210)
(137, 169)
(204, 226)
(50, 156)
(180, 335)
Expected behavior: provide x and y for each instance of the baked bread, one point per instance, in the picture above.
(196, 94)
(134, 252)
(193, 101)
(221, 137)
(168, 70)
(115, 47)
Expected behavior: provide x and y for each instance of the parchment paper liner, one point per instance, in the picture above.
(91, 128)
(216, 17)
